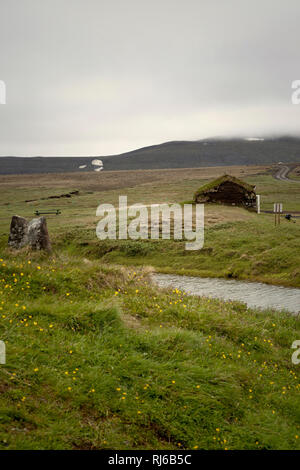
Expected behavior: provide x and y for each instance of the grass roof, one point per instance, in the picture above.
(222, 179)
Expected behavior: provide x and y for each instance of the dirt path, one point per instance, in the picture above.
(282, 174)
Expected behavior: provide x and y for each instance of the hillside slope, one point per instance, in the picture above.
(177, 154)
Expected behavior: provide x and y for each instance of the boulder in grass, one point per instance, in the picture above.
(33, 233)
(18, 232)
(37, 233)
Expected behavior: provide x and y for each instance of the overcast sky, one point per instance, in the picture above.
(98, 77)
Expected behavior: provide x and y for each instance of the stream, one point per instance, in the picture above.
(254, 294)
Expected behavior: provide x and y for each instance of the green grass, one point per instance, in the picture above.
(97, 358)
(252, 249)
(238, 244)
(152, 370)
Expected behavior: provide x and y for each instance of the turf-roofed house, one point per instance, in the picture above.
(227, 190)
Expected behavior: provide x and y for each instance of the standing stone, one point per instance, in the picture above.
(18, 232)
(33, 233)
(38, 236)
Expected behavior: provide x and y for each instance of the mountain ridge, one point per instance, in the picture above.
(173, 154)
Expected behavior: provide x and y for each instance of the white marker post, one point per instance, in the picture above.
(277, 212)
(258, 203)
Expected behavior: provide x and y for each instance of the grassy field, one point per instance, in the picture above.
(238, 243)
(98, 358)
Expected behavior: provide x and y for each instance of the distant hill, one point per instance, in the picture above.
(177, 154)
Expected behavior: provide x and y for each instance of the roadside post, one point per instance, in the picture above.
(277, 212)
(258, 203)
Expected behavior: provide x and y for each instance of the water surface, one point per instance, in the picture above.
(254, 294)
